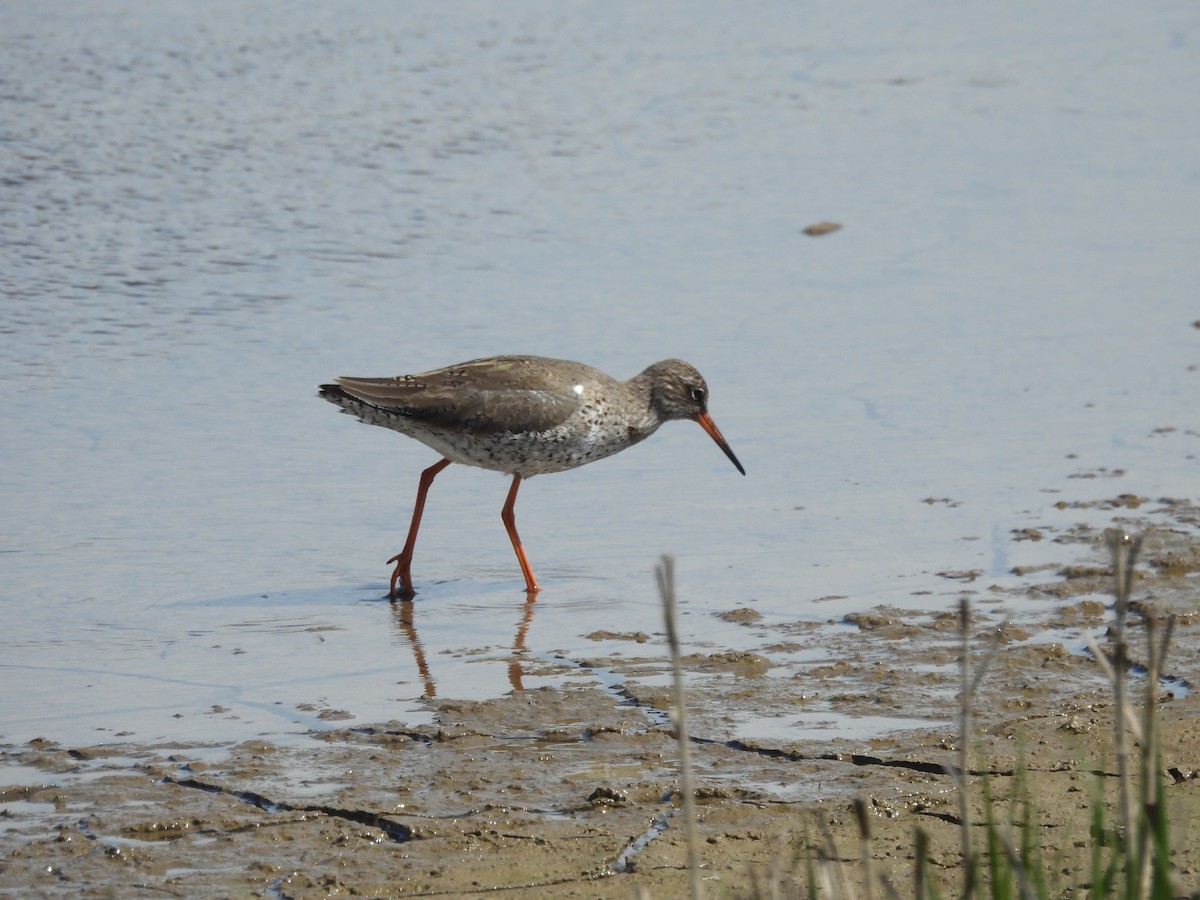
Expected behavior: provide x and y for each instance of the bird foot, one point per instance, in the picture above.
(402, 575)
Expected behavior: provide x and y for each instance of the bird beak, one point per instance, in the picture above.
(714, 432)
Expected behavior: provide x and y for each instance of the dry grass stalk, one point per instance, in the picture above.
(665, 573)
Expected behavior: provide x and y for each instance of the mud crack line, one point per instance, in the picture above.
(855, 759)
(626, 860)
(395, 831)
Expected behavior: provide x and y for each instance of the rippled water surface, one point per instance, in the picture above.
(210, 208)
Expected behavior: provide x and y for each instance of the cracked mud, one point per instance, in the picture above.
(569, 791)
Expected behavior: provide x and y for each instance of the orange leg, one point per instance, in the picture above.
(403, 559)
(510, 524)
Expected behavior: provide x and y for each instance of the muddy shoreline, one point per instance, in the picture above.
(569, 791)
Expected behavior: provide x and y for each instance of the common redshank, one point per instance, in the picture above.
(524, 415)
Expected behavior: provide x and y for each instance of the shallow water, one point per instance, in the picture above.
(209, 210)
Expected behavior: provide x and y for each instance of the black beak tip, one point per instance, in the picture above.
(733, 459)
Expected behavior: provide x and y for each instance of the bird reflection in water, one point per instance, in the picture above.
(403, 612)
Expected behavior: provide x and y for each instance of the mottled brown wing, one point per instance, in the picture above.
(480, 396)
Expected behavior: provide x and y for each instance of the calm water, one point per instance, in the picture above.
(208, 209)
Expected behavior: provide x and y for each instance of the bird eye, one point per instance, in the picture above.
(698, 394)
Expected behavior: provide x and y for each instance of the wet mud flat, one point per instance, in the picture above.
(570, 791)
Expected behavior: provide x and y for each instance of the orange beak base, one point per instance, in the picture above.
(714, 432)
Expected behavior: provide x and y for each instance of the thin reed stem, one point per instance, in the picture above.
(964, 751)
(665, 573)
(868, 852)
(1124, 550)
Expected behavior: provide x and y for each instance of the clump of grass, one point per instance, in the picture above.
(1130, 857)
(1130, 853)
(1138, 863)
